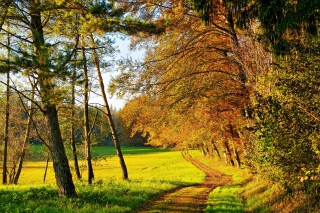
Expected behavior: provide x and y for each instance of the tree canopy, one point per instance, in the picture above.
(237, 80)
(239, 77)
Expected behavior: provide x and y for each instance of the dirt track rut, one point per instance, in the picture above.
(191, 198)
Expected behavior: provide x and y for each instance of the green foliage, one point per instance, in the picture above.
(288, 116)
(240, 11)
(282, 19)
(204, 8)
(100, 7)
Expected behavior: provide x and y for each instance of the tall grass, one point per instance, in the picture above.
(150, 170)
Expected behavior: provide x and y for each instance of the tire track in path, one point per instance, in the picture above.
(190, 198)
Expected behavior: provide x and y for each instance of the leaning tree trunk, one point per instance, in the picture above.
(73, 142)
(115, 138)
(236, 154)
(235, 151)
(46, 167)
(26, 139)
(6, 132)
(60, 162)
(228, 156)
(215, 148)
(87, 133)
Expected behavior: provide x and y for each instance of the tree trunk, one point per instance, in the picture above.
(235, 151)
(206, 151)
(87, 138)
(73, 142)
(46, 167)
(60, 162)
(26, 139)
(115, 138)
(6, 133)
(236, 154)
(215, 148)
(228, 153)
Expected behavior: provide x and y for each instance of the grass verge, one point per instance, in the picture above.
(255, 193)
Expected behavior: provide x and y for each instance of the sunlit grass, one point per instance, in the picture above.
(225, 199)
(246, 193)
(151, 171)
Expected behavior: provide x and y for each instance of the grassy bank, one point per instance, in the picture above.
(150, 170)
(255, 193)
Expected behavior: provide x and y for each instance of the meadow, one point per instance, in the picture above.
(151, 171)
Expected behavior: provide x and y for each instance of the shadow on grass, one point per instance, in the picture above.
(229, 204)
(39, 152)
(104, 197)
(226, 198)
(127, 150)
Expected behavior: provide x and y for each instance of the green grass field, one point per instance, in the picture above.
(151, 171)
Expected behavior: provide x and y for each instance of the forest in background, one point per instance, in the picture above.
(238, 80)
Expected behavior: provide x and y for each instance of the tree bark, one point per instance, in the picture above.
(87, 138)
(115, 138)
(215, 148)
(26, 139)
(60, 161)
(73, 142)
(45, 76)
(46, 167)
(6, 132)
(235, 151)
(236, 154)
(228, 155)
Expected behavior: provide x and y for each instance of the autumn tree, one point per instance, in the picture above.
(190, 68)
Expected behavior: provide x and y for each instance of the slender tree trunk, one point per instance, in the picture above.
(236, 154)
(60, 162)
(228, 153)
(87, 138)
(206, 151)
(115, 138)
(26, 139)
(235, 151)
(73, 142)
(6, 132)
(46, 167)
(215, 148)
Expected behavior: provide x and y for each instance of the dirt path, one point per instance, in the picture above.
(191, 198)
